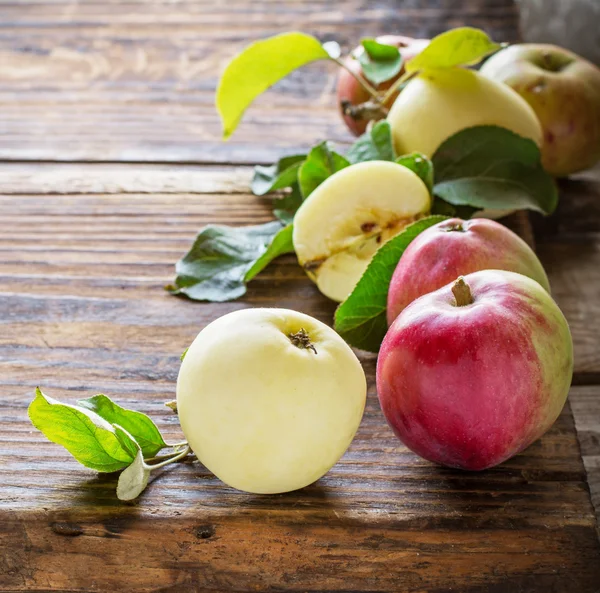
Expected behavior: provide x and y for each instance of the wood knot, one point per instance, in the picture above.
(68, 529)
(204, 531)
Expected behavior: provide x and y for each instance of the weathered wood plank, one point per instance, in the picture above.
(121, 178)
(82, 310)
(125, 245)
(585, 403)
(131, 81)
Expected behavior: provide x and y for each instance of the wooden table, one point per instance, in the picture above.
(111, 161)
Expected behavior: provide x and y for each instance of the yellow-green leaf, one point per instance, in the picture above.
(464, 46)
(259, 67)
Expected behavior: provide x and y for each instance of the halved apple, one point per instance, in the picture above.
(341, 225)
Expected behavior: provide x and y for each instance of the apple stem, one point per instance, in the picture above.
(397, 86)
(369, 110)
(370, 89)
(301, 340)
(462, 292)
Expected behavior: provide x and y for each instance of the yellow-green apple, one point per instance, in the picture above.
(343, 222)
(564, 91)
(456, 247)
(350, 93)
(269, 399)
(437, 104)
(473, 373)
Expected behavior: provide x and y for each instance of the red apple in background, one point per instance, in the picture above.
(349, 89)
(457, 247)
(473, 373)
(564, 91)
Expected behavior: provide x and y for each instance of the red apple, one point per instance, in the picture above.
(349, 90)
(457, 247)
(564, 91)
(473, 373)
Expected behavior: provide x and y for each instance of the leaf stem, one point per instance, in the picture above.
(396, 86)
(172, 459)
(370, 89)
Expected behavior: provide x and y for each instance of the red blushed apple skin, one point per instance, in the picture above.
(348, 88)
(469, 387)
(457, 247)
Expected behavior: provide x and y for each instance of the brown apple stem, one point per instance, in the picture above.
(362, 81)
(301, 340)
(364, 111)
(462, 292)
(397, 85)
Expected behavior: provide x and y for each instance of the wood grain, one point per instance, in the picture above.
(134, 81)
(83, 310)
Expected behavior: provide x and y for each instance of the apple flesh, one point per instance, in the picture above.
(457, 247)
(345, 220)
(437, 104)
(269, 399)
(473, 373)
(564, 91)
(350, 91)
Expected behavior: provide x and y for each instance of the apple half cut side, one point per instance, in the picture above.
(341, 225)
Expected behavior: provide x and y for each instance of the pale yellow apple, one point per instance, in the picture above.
(269, 399)
(341, 225)
(437, 104)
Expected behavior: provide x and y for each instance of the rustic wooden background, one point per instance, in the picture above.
(110, 161)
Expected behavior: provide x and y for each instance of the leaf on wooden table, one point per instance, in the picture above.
(89, 438)
(134, 479)
(222, 259)
(138, 425)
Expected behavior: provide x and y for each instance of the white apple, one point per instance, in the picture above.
(437, 104)
(269, 399)
(564, 91)
(341, 225)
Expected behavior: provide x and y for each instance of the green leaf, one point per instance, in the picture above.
(284, 173)
(282, 243)
(439, 206)
(127, 441)
(134, 479)
(93, 441)
(418, 163)
(379, 62)
(361, 318)
(257, 68)
(463, 46)
(379, 51)
(183, 354)
(494, 168)
(322, 162)
(285, 207)
(138, 425)
(215, 268)
(374, 145)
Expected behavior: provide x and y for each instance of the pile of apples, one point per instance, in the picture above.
(539, 91)
(476, 365)
(478, 358)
